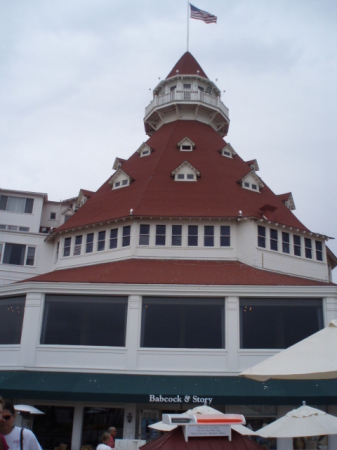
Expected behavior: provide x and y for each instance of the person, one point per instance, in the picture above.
(15, 435)
(105, 442)
(3, 443)
(113, 434)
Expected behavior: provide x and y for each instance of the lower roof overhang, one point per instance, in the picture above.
(182, 390)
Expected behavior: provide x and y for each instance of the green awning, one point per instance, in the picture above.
(94, 387)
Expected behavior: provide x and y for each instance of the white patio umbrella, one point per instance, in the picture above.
(27, 409)
(204, 409)
(314, 358)
(303, 421)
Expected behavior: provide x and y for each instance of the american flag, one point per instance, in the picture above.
(198, 14)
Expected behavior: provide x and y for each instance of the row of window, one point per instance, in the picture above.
(281, 241)
(17, 254)
(109, 239)
(13, 228)
(16, 204)
(166, 322)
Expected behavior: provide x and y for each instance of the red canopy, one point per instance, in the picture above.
(174, 440)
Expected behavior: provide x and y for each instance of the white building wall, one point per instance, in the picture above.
(132, 358)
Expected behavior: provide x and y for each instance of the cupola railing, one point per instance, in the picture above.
(187, 96)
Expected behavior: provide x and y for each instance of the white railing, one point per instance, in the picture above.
(187, 96)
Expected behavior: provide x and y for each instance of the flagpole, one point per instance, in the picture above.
(188, 22)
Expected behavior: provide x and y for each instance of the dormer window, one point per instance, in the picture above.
(144, 150)
(252, 182)
(186, 145)
(120, 179)
(185, 172)
(228, 151)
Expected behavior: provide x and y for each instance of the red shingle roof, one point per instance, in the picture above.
(154, 193)
(184, 272)
(187, 65)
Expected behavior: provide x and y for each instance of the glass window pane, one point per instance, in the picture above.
(160, 234)
(30, 256)
(176, 235)
(90, 243)
(12, 204)
(54, 426)
(84, 320)
(3, 202)
(274, 323)
(14, 254)
(11, 318)
(29, 205)
(98, 420)
(182, 323)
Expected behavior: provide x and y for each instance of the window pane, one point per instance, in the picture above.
(29, 205)
(101, 241)
(78, 245)
(54, 426)
(144, 235)
(90, 243)
(30, 256)
(209, 236)
(273, 240)
(297, 245)
(182, 323)
(11, 319)
(84, 320)
(308, 252)
(96, 421)
(176, 234)
(274, 323)
(12, 204)
(3, 202)
(66, 248)
(113, 238)
(160, 234)
(319, 251)
(261, 236)
(225, 240)
(126, 236)
(192, 235)
(14, 254)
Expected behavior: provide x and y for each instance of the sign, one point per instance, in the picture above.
(208, 430)
(155, 398)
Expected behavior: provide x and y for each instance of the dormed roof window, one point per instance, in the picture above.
(251, 181)
(120, 179)
(144, 150)
(185, 172)
(228, 151)
(186, 145)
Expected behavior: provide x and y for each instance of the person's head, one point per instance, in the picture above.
(8, 418)
(105, 438)
(112, 431)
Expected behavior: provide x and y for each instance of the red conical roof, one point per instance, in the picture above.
(153, 192)
(187, 65)
(174, 440)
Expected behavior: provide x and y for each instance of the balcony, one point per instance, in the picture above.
(187, 97)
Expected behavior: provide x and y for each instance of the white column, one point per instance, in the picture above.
(232, 332)
(284, 443)
(133, 331)
(77, 427)
(30, 337)
(330, 309)
(129, 427)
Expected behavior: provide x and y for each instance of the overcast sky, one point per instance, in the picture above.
(75, 78)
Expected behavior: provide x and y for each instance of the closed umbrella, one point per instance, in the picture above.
(314, 358)
(303, 421)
